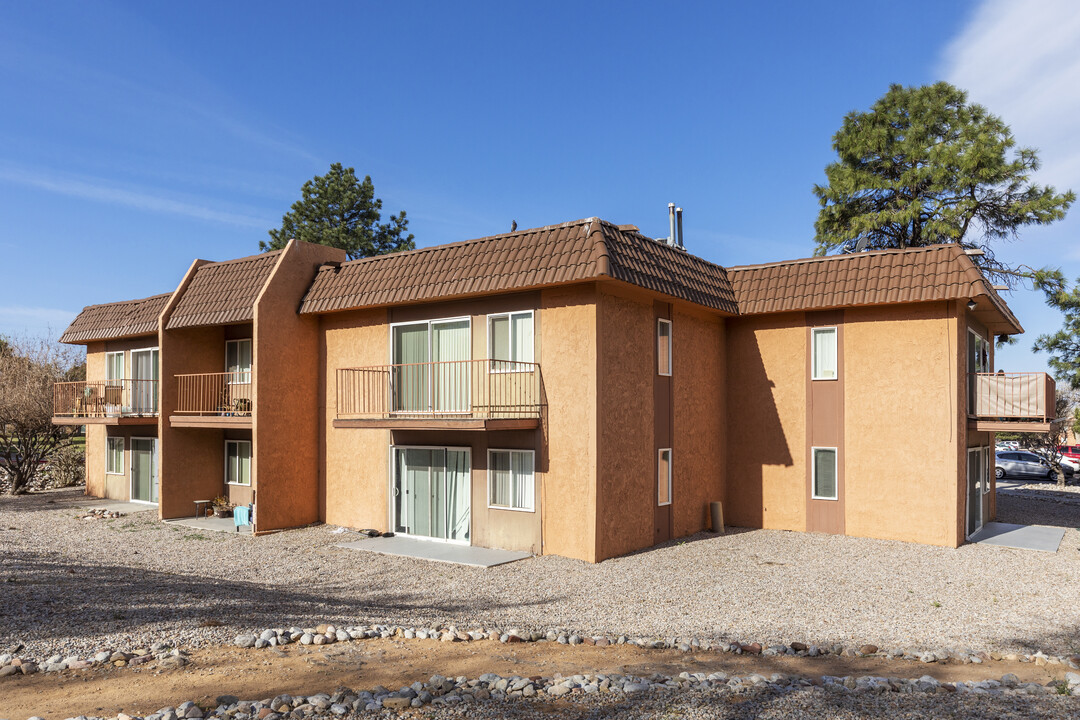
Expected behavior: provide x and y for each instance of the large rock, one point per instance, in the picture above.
(245, 641)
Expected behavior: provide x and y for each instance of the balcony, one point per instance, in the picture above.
(456, 395)
(1011, 402)
(105, 402)
(218, 400)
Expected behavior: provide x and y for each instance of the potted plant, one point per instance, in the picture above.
(222, 507)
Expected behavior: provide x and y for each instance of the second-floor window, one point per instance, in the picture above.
(510, 340)
(823, 342)
(114, 365)
(238, 360)
(663, 347)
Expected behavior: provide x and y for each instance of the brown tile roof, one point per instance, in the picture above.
(223, 292)
(128, 318)
(553, 255)
(937, 272)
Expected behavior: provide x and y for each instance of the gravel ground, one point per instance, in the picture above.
(73, 586)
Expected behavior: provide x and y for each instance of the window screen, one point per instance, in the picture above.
(825, 473)
(824, 364)
(663, 347)
(663, 477)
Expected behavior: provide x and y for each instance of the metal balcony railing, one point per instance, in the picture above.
(226, 394)
(465, 389)
(1012, 396)
(105, 398)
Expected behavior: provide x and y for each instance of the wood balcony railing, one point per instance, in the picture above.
(226, 394)
(461, 389)
(105, 398)
(1012, 396)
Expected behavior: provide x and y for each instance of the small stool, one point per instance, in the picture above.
(200, 507)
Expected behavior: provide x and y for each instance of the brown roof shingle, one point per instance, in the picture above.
(110, 321)
(223, 292)
(936, 272)
(553, 255)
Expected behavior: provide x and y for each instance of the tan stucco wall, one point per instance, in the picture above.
(901, 410)
(765, 422)
(568, 493)
(285, 387)
(626, 470)
(355, 462)
(699, 450)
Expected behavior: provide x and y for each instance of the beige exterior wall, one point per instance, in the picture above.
(98, 482)
(355, 462)
(766, 422)
(903, 419)
(568, 493)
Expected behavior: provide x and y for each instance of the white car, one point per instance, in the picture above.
(1068, 463)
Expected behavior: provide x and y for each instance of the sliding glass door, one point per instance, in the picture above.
(430, 493)
(431, 368)
(144, 375)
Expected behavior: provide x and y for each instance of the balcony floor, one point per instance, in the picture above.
(440, 423)
(106, 420)
(995, 425)
(211, 421)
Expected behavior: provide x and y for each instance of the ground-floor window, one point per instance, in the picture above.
(824, 470)
(114, 456)
(511, 479)
(238, 462)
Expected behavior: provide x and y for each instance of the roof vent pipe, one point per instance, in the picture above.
(678, 222)
(671, 224)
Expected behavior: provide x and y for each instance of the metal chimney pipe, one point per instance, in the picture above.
(678, 219)
(671, 224)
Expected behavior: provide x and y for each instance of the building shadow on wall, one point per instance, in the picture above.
(755, 435)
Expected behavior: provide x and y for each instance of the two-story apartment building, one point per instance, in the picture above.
(577, 389)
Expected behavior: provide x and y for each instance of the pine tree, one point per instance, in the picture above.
(337, 209)
(924, 166)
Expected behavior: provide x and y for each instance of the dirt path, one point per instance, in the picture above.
(257, 674)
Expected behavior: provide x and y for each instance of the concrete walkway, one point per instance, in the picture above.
(121, 506)
(437, 551)
(1022, 537)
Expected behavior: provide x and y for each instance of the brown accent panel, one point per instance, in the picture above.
(825, 425)
(210, 421)
(662, 426)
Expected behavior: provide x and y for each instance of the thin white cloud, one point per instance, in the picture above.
(101, 191)
(1022, 62)
(19, 320)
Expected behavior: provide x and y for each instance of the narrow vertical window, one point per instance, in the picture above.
(663, 477)
(663, 347)
(114, 366)
(510, 341)
(238, 360)
(114, 456)
(824, 353)
(824, 469)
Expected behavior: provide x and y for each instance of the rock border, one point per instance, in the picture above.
(439, 690)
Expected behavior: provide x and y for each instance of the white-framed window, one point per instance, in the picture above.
(114, 365)
(823, 361)
(663, 347)
(510, 341)
(238, 360)
(511, 479)
(823, 461)
(663, 476)
(114, 456)
(238, 462)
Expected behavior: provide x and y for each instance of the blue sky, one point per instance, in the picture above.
(135, 137)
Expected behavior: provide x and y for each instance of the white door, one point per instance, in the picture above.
(430, 493)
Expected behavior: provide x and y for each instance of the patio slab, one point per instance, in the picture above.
(437, 551)
(121, 506)
(1023, 537)
(214, 524)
